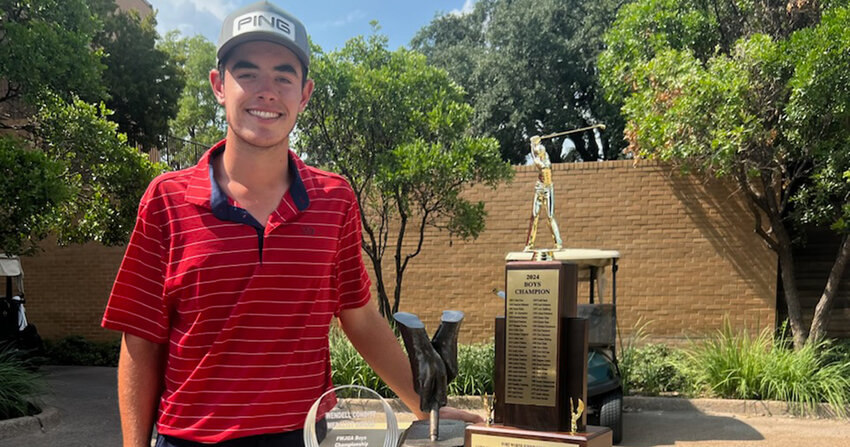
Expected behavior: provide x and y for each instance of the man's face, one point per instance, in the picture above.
(262, 93)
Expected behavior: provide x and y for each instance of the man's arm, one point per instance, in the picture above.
(140, 379)
(374, 340)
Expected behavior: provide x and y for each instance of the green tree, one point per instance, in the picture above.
(142, 81)
(529, 68)
(30, 185)
(67, 170)
(46, 45)
(200, 119)
(106, 175)
(753, 91)
(398, 130)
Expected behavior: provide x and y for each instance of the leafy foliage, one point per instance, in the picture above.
(398, 131)
(199, 118)
(106, 176)
(475, 368)
(70, 172)
(348, 368)
(76, 350)
(653, 369)
(45, 45)
(31, 187)
(754, 91)
(143, 82)
(528, 68)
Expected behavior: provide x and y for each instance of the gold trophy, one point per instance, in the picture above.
(544, 194)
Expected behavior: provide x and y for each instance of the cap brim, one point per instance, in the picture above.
(223, 52)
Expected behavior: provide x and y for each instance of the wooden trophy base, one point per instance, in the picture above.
(481, 435)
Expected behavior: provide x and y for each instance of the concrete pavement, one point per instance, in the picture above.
(86, 402)
(84, 412)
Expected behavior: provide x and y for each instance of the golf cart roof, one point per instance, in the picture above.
(10, 266)
(584, 257)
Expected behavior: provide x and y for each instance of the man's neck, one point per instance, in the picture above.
(255, 168)
(256, 178)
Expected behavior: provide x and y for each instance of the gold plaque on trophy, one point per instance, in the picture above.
(532, 336)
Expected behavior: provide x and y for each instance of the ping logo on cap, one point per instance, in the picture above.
(263, 21)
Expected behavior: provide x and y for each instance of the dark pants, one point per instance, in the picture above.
(293, 438)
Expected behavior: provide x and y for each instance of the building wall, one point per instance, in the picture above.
(141, 6)
(689, 257)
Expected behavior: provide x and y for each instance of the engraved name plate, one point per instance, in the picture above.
(532, 337)
(479, 440)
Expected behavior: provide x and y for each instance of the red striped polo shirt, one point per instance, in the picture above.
(244, 308)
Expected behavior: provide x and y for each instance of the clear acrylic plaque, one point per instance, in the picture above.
(360, 418)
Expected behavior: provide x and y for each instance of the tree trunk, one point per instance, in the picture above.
(383, 298)
(789, 282)
(822, 310)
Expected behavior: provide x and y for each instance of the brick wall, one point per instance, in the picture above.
(689, 256)
(141, 6)
(67, 288)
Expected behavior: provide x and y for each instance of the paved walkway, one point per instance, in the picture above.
(86, 401)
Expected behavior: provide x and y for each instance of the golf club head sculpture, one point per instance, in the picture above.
(434, 361)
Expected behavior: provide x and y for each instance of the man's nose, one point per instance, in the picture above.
(266, 88)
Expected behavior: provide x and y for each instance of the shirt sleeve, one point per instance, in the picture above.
(352, 279)
(136, 304)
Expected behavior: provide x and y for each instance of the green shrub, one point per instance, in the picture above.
(20, 385)
(76, 350)
(627, 354)
(348, 368)
(738, 366)
(653, 370)
(475, 368)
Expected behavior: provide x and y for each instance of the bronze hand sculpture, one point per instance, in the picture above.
(433, 362)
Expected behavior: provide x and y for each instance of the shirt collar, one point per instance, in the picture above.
(204, 190)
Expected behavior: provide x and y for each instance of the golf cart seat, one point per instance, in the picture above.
(600, 317)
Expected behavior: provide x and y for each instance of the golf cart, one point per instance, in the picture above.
(604, 387)
(14, 328)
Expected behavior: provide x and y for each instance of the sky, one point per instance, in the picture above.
(330, 23)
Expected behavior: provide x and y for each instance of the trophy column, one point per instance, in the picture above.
(541, 361)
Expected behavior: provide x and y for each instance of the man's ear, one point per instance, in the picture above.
(217, 84)
(306, 93)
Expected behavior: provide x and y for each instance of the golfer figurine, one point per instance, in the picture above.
(544, 195)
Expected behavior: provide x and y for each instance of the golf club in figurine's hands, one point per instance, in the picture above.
(433, 362)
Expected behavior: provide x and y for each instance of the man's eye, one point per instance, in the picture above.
(245, 76)
(284, 80)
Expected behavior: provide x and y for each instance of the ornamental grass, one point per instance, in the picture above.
(20, 385)
(737, 365)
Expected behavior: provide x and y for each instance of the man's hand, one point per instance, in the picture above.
(454, 413)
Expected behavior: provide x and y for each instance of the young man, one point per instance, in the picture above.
(237, 266)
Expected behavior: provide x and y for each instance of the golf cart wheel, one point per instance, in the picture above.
(611, 414)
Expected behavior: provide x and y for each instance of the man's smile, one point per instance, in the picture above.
(264, 114)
